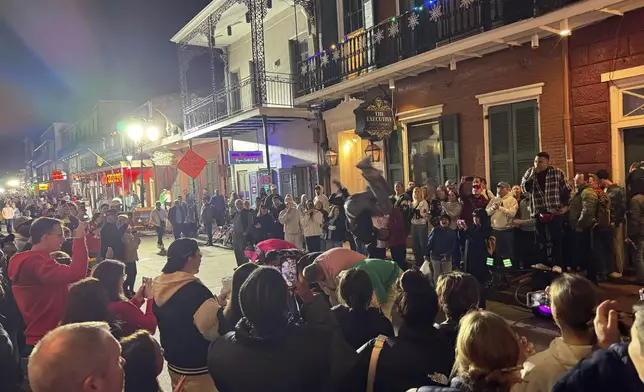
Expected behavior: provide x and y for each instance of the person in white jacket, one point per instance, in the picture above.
(311, 222)
(290, 218)
(502, 210)
(572, 300)
(8, 215)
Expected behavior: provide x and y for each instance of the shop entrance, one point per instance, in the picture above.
(351, 150)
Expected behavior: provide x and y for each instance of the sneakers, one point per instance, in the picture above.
(615, 275)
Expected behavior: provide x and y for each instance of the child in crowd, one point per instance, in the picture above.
(440, 247)
(476, 241)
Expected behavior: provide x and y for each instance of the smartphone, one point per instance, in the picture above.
(289, 271)
(227, 283)
(537, 298)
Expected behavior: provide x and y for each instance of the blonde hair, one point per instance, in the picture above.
(574, 301)
(419, 190)
(488, 353)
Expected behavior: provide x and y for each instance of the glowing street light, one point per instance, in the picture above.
(134, 132)
(13, 183)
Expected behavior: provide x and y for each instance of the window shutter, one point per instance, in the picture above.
(450, 169)
(526, 136)
(500, 126)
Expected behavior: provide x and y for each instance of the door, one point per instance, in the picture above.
(242, 184)
(235, 95)
(633, 146)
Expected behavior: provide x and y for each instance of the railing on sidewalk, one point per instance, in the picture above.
(437, 23)
(238, 98)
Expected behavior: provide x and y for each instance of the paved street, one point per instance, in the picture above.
(218, 262)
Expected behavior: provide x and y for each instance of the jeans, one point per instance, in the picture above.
(313, 244)
(583, 254)
(399, 255)
(524, 251)
(239, 245)
(361, 247)
(638, 260)
(549, 240)
(130, 278)
(160, 232)
(208, 228)
(419, 238)
(617, 260)
(441, 266)
(9, 226)
(603, 250)
(177, 228)
(373, 252)
(330, 244)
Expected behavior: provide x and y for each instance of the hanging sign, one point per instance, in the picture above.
(113, 178)
(43, 187)
(162, 158)
(191, 163)
(244, 157)
(374, 120)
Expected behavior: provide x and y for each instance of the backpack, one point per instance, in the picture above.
(602, 215)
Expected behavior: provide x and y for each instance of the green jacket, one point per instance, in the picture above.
(382, 273)
(583, 207)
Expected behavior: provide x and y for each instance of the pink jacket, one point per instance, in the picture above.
(336, 260)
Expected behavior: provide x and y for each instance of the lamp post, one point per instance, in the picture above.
(137, 133)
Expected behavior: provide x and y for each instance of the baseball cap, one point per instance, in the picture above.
(503, 184)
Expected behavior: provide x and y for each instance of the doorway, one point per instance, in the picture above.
(242, 184)
(351, 151)
(633, 146)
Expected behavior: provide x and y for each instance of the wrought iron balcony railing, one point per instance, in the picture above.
(437, 23)
(237, 99)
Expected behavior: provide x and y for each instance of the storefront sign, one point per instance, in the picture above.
(58, 175)
(113, 178)
(244, 157)
(43, 187)
(374, 120)
(191, 163)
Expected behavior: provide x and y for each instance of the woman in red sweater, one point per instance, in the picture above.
(111, 274)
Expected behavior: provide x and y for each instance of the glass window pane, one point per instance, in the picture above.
(633, 102)
(424, 150)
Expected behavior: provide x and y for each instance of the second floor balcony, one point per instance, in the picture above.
(439, 34)
(237, 99)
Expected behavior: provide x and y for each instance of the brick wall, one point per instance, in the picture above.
(611, 45)
(502, 70)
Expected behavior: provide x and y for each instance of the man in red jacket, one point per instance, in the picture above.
(40, 284)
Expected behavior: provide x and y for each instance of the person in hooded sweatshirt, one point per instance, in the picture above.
(269, 351)
(40, 284)
(360, 322)
(573, 300)
(186, 312)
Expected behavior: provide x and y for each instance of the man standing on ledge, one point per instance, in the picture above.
(549, 197)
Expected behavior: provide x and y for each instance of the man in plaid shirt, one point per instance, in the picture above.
(549, 197)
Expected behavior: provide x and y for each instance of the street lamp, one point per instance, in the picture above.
(373, 151)
(331, 157)
(136, 133)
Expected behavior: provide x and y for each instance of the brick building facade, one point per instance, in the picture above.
(507, 69)
(612, 45)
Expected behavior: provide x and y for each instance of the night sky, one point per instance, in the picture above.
(58, 57)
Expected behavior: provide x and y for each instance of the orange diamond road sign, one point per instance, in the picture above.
(191, 163)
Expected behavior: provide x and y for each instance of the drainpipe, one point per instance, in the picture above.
(567, 123)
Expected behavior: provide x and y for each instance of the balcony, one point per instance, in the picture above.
(438, 35)
(238, 102)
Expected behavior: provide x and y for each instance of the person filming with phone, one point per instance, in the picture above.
(111, 274)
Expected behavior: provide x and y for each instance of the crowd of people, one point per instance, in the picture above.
(347, 318)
